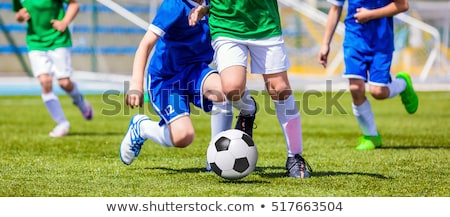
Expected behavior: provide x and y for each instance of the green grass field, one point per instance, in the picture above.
(414, 161)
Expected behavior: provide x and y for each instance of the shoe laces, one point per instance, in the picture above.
(135, 136)
(300, 164)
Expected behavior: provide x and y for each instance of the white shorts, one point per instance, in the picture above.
(268, 56)
(55, 62)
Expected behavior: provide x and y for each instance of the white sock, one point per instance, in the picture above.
(365, 118)
(290, 121)
(153, 131)
(397, 86)
(77, 98)
(221, 117)
(245, 104)
(53, 105)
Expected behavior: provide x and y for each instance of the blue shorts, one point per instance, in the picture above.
(374, 68)
(171, 96)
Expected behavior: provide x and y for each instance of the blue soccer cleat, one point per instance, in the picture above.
(132, 142)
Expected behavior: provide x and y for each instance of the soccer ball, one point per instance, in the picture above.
(232, 154)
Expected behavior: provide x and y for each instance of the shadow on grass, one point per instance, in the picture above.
(202, 170)
(263, 172)
(95, 134)
(414, 147)
(267, 172)
(337, 173)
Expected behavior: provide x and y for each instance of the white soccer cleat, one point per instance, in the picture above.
(60, 130)
(132, 142)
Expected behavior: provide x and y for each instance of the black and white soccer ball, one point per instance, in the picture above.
(232, 154)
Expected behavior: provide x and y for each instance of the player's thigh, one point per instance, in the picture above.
(355, 64)
(40, 62)
(168, 102)
(212, 88)
(230, 52)
(234, 79)
(268, 56)
(62, 62)
(202, 86)
(380, 69)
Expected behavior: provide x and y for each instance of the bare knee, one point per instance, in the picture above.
(279, 90)
(183, 139)
(182, 132)
(278, 85)
(233, 93)
(46, 83)
(357, 89)
(378, 92)
(66, 84)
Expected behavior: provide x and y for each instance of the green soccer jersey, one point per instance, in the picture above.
(40, 33)
(244, 19)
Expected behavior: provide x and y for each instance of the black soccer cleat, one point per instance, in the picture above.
(245, 122)
(297, 167)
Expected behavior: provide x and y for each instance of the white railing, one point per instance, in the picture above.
(321, 18)
(434, 53)
(125, 13)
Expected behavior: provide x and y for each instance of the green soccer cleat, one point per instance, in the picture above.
(369, 142)
(409, 96)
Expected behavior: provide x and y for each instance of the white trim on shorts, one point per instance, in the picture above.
(363, 78)
(268, 56)
(56, 62)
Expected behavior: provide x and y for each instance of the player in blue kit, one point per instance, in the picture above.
(178, 75)
(368, 47)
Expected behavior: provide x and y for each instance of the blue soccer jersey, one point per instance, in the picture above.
(179, 43)
(179, 65)
(374, 36)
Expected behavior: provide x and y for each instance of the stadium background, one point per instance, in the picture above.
(104, 43)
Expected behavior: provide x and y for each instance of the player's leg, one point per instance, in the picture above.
(141, 128)
(63, 71)
(169, 105)
(290, 121)
(231, 57)
(381, 85)
(222, 112)
(182, 131)
(409, 97)
(269, 58)
(356, 71)
(41, 65)
(362, 110)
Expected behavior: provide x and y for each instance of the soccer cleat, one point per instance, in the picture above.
(369, 142)
(88, 113)
(132, 142)
(60, 130)
(297, 167)
(409, 96)
(245, 122)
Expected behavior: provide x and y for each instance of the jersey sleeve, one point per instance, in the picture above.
(168, 13)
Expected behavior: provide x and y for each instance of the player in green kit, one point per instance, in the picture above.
(241, 29)
(48, 41)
